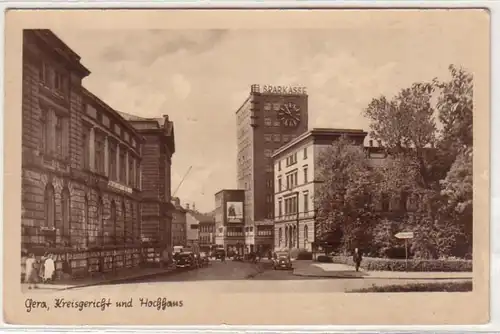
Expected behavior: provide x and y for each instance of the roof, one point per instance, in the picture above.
(334, 132)
(201, 217)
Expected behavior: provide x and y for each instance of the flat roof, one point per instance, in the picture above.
(318, 132)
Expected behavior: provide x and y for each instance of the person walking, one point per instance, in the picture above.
(31, 275)
(357, 257)
(49, 268)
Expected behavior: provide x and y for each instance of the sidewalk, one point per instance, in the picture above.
(335, 270)
(108, 278)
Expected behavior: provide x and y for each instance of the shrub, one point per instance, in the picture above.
(421, 287)
(377, 264)
(304, 255)
(324, 259)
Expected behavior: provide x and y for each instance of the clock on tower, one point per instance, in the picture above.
(289, 114)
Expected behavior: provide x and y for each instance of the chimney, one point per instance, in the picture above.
(187, 206)
(371, 143)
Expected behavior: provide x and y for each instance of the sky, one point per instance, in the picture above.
(200, 78)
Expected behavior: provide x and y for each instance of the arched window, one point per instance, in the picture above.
(65, 212)
(113, 219)
(50, 206)
(280, 236)
(124, 220)
(286, 236)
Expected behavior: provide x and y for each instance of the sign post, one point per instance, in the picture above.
(405, 236)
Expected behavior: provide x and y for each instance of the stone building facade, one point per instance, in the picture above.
(81, 161)
(178, 224)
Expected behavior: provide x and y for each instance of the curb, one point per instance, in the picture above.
(369, 276)
(117, 280)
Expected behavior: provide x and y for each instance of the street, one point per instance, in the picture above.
(237, 277)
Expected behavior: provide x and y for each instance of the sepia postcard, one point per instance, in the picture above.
(246, 167)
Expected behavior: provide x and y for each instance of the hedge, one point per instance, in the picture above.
(304, 255)
(324, 259)
(378, 264)
(421, 287)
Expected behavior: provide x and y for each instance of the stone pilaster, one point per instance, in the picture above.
(91, 152)
(106, 156)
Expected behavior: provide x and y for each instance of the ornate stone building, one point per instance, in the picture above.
(82, 195)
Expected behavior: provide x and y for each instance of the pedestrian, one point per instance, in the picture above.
(31, 275)
(357, 257)
(49, 268)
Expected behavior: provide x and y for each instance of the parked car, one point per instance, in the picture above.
(219, 254)
(204, 260)
(237, 257)
(184, 260)
(282, 260)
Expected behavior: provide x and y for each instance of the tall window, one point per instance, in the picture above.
(99, 153)
(280, 236)
(45, 131)
(86, 222)
(59, 136)
(131, 177)
(112, 161)
(100, 220)
(306, 203)
(113, 220)
(280, 208)
(66, 225)
(124, 217)
(85, 148)
(279, 184)
(306, 235)
(132, 222)
(50, 206)
(305, 174)
(305, 153)
(138, 174)
(123, 166)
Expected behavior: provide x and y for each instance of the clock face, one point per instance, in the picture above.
(289, 114)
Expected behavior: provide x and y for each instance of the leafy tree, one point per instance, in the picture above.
(343, 203)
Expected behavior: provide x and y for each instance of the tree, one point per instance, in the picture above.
(344, 206)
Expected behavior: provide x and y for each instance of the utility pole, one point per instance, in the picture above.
(182, 180)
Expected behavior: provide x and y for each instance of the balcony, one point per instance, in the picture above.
(295, 216)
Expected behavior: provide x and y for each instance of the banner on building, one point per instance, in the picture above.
(234, 212)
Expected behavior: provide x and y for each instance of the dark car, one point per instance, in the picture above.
(184, 260)
(237, 257)
(204, 260)
(219, 254)
(282, 261)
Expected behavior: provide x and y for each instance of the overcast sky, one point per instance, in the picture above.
(200, 77)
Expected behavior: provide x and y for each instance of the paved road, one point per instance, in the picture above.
(237, 277)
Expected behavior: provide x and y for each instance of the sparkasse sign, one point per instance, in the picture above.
(284, 90)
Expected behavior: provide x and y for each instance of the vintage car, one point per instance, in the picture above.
(184, 260)
(204, 260)
(237, 257)
(282, 260)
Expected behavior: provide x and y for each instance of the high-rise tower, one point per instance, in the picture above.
(270, 117)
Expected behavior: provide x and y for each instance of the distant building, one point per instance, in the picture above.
(179, 237)
(296, 183)
(269, 118)
(230, 220)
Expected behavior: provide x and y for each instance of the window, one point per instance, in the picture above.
(66, 224)
(113, 220)
(279, 165)
(280, 208)
(280, 236)
(276, 106)
(133, 234)
(99, 153)
(45, 74)
(277, 138)
(306, 203)
(125, 227)
(58, 81)
(267, 137)
(305, 175)
(269, 168)
(277, 123)
(286, 139)
(112, 162)
(279, 184)
(267, 106)
(45, 131)
(123, 167)
(59, 137)
(50, 206)
(269, 198)
(86, 222)
(269, 183)
(305, 153)
(268, 121)
(138, 174)
(131, 177)
(85, 150)
(306, 233)
(268, 153)
(291, 180)
(291, 160)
